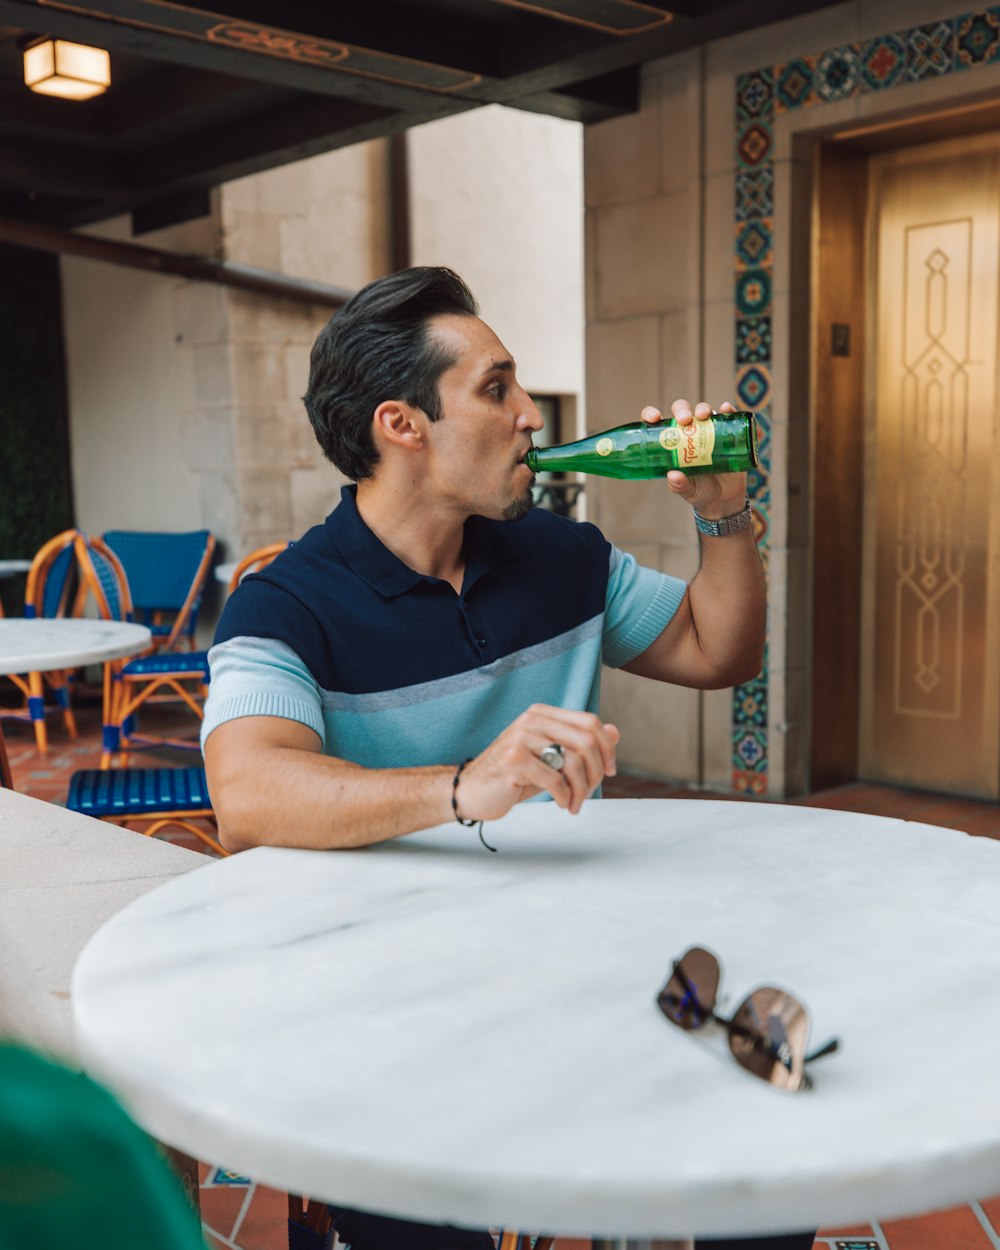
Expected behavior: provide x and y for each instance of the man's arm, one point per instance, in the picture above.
(716, 637)
(271, 784)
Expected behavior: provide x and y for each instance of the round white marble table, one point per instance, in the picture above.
(10, 568)
(42, 645)
(429, 1030)
(224, 572)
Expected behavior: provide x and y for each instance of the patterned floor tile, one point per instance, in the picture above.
(958, 1229)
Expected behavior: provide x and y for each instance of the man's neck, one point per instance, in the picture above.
(427, 539)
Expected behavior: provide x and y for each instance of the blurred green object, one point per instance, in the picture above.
(76, 1171)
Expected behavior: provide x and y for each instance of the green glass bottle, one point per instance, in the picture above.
(726, 443)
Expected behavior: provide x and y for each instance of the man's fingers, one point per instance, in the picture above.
(584, 736)
(684, 412)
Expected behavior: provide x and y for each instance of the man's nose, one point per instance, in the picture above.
(529, 418)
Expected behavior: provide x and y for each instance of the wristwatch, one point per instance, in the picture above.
(725, 525)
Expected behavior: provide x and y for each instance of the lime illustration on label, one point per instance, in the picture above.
(670, 438)
(693, 444)
(604, 446)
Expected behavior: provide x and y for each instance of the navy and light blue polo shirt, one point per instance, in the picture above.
(394, 669)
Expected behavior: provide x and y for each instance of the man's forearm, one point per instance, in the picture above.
(284, 796)
(729, 607)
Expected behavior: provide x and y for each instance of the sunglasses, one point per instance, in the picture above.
(768, 1032)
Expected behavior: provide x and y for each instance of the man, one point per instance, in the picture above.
(432, 652)
(434, 617)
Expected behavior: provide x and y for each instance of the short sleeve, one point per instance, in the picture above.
(260, 677)
(640, 604)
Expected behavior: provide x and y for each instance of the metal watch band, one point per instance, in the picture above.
(725, 525)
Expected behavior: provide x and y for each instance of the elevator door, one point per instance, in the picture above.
(930, 696)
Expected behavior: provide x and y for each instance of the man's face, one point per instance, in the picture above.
(487, 420)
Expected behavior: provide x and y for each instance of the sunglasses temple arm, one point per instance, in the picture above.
(832, 1045)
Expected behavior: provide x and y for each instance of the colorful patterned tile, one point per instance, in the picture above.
(795, 84)
(754, 96)
(883, 63)
(757, 482)
(760, 519)
(750, 704)
(753, 387)
(753, 292)
(223, 1176)
(753, 143)
(838, 73)
(753, 340)
(750, 748)
(977, 38)
(753, 242)
(747, 783)
(754, 193)
(930, 50)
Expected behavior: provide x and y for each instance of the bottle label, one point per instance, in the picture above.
(692, 444)
(604, 446)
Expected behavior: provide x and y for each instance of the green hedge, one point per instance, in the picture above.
(36, 498)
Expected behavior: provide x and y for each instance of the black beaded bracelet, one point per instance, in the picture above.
(454, 806)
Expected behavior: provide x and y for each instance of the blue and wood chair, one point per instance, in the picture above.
(158, 675)
(166, 577)
(6, 779)
(156, 798)
(54, 589)
(254, 562)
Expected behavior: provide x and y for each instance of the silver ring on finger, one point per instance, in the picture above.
(554, 756)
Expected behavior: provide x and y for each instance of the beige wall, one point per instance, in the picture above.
(660, 273)
(131, 380)
(497, 195)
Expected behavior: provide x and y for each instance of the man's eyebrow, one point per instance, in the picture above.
(500, 366)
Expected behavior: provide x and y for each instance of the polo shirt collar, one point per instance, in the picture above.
(385, 573)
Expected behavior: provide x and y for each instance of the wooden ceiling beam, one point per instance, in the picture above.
(46, 168)
(302, 66)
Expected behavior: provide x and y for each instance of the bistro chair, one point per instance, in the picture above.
(131, 684)
(54, 588)
(254, 562)
(6, 779)
(157, 798)
(166, 576)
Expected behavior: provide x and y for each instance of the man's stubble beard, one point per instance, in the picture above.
(518, 508)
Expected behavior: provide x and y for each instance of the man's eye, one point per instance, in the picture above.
(498, 390)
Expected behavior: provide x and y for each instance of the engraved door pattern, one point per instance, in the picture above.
(930, 691)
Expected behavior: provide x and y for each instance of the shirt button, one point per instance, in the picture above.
(480, 642)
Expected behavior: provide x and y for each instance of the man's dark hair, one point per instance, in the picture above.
(378, 347)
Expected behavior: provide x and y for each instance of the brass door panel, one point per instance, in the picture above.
(930, 699)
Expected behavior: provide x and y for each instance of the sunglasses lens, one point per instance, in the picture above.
(688, 998)
(768, 1036)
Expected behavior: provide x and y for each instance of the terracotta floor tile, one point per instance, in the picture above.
(856, 1231)
(221, 1205)
(266, 1224)
(957, 1229)
(991, 1209)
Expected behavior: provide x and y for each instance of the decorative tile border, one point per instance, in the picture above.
(931, 50)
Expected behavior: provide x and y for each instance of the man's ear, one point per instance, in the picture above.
(400, 424)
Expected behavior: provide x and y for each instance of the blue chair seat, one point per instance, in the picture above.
(142, 791)
(164, 662)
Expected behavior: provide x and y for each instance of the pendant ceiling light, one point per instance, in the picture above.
(71, 70)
